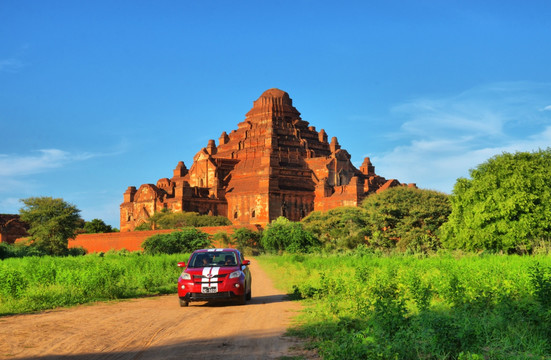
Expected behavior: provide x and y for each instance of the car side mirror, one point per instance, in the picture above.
(182, 264)
(246, 262)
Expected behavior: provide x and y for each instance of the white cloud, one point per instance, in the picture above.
(442, 138)
(547, 108)
(19, 165)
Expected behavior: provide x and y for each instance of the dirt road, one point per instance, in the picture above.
(156, 328)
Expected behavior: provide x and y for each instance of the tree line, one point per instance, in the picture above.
(504, 206)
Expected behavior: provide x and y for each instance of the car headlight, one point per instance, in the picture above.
(235, 274)
(186, 276)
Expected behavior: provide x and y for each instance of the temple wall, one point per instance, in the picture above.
(133, 240)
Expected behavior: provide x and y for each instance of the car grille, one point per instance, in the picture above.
(213, 277)
(216, 279)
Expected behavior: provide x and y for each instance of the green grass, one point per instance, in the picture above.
(405, 307)
(38, 283)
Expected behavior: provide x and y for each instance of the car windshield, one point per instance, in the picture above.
(213, 258)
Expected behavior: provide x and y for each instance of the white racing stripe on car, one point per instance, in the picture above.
(209, 274)
(206, 272)
(214, 272)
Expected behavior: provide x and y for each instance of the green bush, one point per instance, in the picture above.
(504, 206)
(284, 235)
(19, 251)
(407, 218)
(185, 240)
(247, 241)
(97, 226)
(339, 228)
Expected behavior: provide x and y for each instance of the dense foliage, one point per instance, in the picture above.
(405, 307)
(505, 205)
(407, 218)
(339, 228)
(284, 235)
(18, 251)
(244, 239)
(52, 223)
(247, 240)
(166, 219)
(96, 226)
(38, 283)
(185, 240)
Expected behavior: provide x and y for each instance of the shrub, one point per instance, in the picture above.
(186, 240)
(339, 228)
(247, 241)
(97, 226)
(504, 206)
(19, 251)
(407, 218)
(285, 235)
(223, 239)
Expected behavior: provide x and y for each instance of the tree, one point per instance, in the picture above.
(97, 226)
(284, 235)
(339, 228)
(185, 240)
(408, 218)
(52, 223)
(505, 205)
(246, 240)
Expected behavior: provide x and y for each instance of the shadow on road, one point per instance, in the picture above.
(256, 300)
(247, 346)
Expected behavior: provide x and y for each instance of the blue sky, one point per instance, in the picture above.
(96, 96)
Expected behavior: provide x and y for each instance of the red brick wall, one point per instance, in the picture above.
(132, 240)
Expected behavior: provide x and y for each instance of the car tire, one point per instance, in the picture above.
(184, 303)
(249, 295)
(242, 299)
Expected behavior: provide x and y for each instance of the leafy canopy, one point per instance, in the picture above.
(408, 218)
(284, 235)
(185, 240)
(339, 228)
(505, 205)
(52, 223)
(97, 226)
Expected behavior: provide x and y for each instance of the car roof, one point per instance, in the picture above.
(215, 250)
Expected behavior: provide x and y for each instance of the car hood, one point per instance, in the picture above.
(212, 269)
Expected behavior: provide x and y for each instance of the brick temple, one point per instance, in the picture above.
(274, 164)
(12, 228)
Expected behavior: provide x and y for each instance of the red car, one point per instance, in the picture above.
(215, 274)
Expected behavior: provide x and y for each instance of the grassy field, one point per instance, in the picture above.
(359, 304)
(38, 283)
(404, 307)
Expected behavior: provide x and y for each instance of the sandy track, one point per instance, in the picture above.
(156, 328)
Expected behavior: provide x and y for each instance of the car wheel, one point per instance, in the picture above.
(242, 299)
(184, 303)
(249, 295)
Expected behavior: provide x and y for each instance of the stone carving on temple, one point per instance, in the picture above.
(274, 164)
